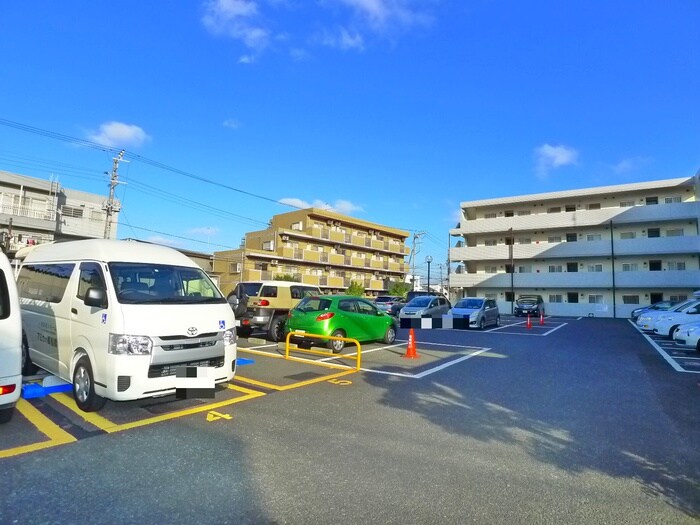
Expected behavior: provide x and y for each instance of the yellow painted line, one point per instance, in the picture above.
(318, 379)
(241, 389)
(57, 436)
(300, 359)
(255, 382)
(260, 352)
(110, 427)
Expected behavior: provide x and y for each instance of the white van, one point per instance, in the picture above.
(121, 319)
(10, 342)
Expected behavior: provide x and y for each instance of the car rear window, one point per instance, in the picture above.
(383, 299)
(469, 303)
(313, 304)
(268, 291)
(420, 301)
(250, 289)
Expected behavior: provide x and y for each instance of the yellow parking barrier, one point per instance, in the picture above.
(358, 356)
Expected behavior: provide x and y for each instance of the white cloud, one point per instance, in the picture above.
(118, 134)
(238, 19)
(231, 123)
(342, 38)
(382, 13)
(340, 206)
(550, 157)
(204, 230)
(629, 164)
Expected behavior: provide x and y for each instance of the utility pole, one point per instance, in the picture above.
(415, 248)
(110, 206)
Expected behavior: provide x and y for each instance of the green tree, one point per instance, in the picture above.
(399, 288)
(356, 288)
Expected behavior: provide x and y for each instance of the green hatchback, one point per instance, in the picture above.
(340, 316)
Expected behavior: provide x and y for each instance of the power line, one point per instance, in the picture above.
(135, 157)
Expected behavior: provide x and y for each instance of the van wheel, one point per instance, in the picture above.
(670, 332)
(28, 368)
(276, 332)
(6, 415)
(482, 324)
(336, 346)
(498, 320)
(84, 387)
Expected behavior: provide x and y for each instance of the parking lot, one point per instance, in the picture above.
(568, 396)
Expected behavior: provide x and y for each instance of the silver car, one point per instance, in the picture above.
(425, 306)
(479, 310)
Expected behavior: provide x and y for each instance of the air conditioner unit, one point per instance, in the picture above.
(330, 221)
(285, 237)
(328, 268)
(274, 262)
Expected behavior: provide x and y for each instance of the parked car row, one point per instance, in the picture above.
(680, 322)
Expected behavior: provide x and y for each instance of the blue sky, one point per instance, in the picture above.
(393, 111)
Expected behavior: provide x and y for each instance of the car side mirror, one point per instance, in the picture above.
(96, 297)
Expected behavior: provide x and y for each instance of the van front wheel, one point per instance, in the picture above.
(84, 387)
(28, 368)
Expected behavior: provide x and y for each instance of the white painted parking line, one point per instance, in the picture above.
(669, 359)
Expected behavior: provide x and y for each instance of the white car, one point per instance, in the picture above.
(688, 335)
(647, 320)
(10, 342)
(666, 323)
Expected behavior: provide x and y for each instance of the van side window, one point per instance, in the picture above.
(4, 296)
(268, 291)
(295, 291)
(90, 277)
(44, 282)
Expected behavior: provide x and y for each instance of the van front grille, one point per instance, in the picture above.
(171, 368)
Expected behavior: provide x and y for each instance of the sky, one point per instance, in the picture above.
(392, 111)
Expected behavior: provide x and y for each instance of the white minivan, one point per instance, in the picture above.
(10, 342)
(121, 320)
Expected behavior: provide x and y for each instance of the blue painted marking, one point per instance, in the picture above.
(241, 361)
(222, 325)
(32, 390)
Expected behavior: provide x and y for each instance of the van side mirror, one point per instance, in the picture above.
(96, 297)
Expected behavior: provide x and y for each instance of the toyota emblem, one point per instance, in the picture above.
(192, 331)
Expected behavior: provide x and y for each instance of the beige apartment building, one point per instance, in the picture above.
(599, 251)
(318, 247)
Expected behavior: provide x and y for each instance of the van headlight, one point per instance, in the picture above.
(229, 336)
(120, 344)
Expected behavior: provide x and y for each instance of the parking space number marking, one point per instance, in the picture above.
(213, 416)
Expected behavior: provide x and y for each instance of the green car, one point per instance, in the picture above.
(340, 316)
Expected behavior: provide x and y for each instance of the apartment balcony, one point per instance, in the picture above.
(350, 240)
(575, 220)
(570, 250)
(336, 258)
(23, 217)
(570, 280)
(311, 256)
(378, 265)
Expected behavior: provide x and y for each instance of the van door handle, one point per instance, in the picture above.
(74, 311)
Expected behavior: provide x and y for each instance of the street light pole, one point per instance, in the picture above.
(428, 260)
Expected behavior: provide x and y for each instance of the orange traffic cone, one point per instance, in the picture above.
(411, 347)
(529, 322)
(541, 318)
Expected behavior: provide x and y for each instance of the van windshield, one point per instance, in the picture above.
(143, 283)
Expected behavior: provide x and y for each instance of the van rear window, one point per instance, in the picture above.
(44, 282)
(4, 296)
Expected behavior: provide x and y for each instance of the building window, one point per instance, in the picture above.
(297, 226)
(490, 215)
(555, 268)
(490, 242)
(235, 267)
(491, 269)
(652, 200)
(570, 207)
(510, 297)
(524, 240)
(72, 211)
(593, 237)
(554, 238)
(630, 267)
(626, 204)
(630, 299)
(675, 232)
(268, 245)
(627, 235)
(595, 267)
(524, 269)
(572, 267)
(523, 212)
(571, 237)
(508, 213)
(655, 266)
(554, 209)
(671, 200)
(595, 299)
(653, 232)
(676, 265)
(593, 206)
(572, 297)
(678, 298)
(556, 298)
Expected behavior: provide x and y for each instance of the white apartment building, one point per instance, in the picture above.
(592, 252)
(35, 211)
